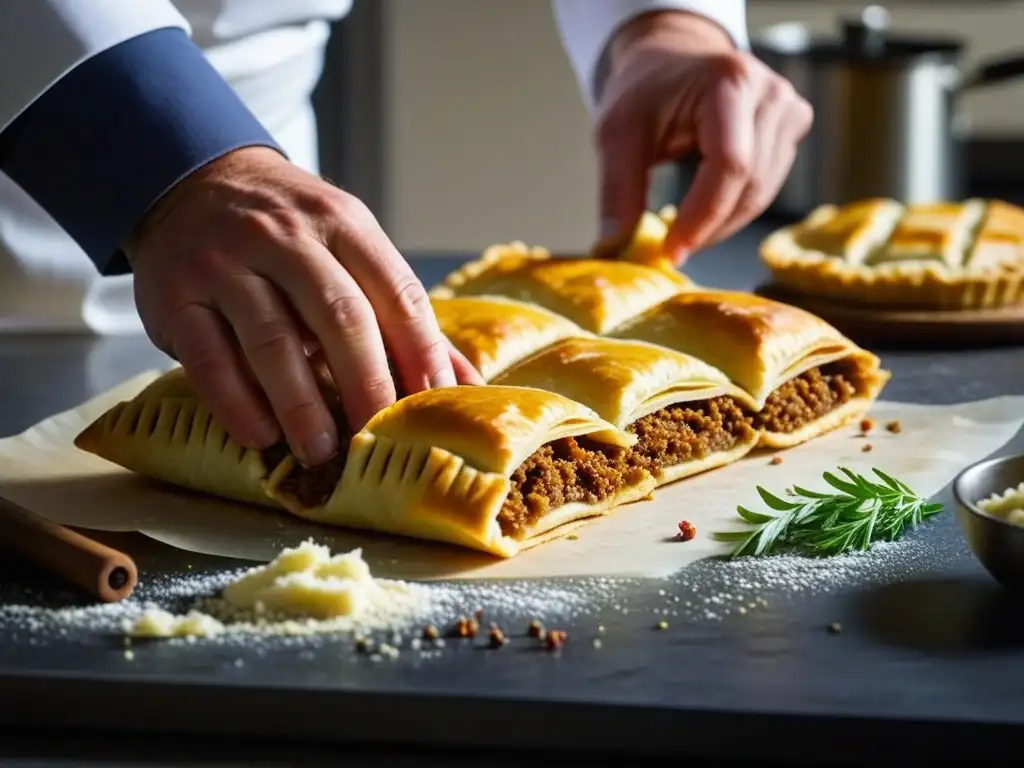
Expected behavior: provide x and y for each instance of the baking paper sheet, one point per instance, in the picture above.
(43, 471)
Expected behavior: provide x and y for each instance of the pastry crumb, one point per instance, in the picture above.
(894, 426)
(866, 425)
(866, 448)
(775, 460)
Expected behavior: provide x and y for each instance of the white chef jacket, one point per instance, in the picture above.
(269, 51)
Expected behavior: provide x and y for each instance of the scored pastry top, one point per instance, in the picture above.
(596, 294)
(619, 379)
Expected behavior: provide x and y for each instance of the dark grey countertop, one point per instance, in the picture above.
(929, 657)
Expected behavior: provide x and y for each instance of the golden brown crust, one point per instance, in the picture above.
(759, 344)
(621, 380)
(625, 380)
(879, 252)
(494, 332)
(595, 294)
(437, 464)
(645, 245)
(166, 433)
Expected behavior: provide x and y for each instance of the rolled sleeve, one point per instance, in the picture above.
(587, 26)
(109, 138)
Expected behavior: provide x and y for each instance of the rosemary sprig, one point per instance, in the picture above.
(861, 512)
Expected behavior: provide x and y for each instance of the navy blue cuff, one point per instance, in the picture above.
(105, 143)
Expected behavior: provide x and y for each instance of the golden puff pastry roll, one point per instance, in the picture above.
(166, 433)
(495, 469)
(804, 376)
(644, 245)
(596, 294)
(494, 332)
(688, 416)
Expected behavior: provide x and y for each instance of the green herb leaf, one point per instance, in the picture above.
(861, 512)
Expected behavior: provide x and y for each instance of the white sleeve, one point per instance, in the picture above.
(43, 40)
(586, 27)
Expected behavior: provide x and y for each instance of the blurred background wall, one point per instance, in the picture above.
(461, 123)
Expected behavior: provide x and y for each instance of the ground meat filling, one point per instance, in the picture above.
(309, 486)
(808, 397)
(688, 432)
(572, 469)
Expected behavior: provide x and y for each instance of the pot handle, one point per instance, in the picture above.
(996, 70)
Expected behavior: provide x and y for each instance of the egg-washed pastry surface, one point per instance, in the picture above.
(595, 294)
(644, 245)
(805, 378)
(944, 255)
(497, 469)
(687, 416)
(494, 332)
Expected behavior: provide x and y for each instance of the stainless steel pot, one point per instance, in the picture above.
(887, 114)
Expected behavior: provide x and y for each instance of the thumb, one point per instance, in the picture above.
(625, 161)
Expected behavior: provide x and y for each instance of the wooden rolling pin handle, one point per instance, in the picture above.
(105, 573)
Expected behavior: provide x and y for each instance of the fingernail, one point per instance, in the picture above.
(445, 378)
(609, 227)
(321, 448)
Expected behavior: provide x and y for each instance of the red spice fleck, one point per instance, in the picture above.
(496, 638)
(687, 530)
(866, 448)
(866, 425)
(775, 461)
(555, 639)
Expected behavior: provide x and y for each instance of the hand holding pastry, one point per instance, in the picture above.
(675, 84)
(247, 261)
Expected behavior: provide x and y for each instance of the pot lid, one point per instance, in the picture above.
(866, 39)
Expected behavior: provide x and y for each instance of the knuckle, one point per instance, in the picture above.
(729, 65)
(271, 337)
(803, 113)
(411, 300)
(613, 127)
(380, 390)
(279, 224)
(735, 166)
(349, 312)
(299, 417)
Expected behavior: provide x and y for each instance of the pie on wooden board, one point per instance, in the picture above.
(944, 255)
(606, 379)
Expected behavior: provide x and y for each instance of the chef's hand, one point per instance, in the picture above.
(250, 260)
(676, 83)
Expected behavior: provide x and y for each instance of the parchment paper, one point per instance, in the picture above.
(43, 471)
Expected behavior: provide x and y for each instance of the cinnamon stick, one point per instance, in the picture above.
(103, 572)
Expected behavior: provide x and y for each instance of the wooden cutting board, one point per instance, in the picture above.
(935, 329)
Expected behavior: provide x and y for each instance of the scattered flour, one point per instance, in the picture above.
(337, 596)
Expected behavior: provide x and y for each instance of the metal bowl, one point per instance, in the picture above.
(999, 545)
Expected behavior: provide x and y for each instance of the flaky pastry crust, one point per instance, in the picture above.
(644, 245)
(623, 381)
(596, 294)
(437, 464)
(760, 345)
(943, 255)
(166, 433)
(494, 332)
